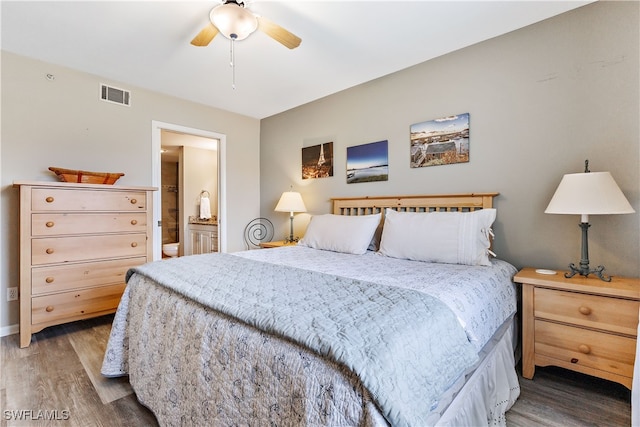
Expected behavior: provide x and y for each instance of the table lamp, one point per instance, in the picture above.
(291, 201)
(584, 194)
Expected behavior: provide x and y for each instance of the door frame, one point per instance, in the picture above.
(156, 142)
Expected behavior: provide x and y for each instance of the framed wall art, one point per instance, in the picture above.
(368, 162)
(441, 141)
(317, 161)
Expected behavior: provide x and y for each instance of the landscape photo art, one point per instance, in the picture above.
(441, 141)
(317, 161)
(368, 162)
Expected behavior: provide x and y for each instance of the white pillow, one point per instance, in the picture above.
(447, 237)
(341, 233)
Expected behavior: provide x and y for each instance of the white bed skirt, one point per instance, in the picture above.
(491, 390)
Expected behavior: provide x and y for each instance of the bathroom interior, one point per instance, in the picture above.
(189, 194)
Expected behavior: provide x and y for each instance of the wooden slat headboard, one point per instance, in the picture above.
(429, 203)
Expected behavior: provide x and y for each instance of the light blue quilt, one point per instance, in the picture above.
(405, 346)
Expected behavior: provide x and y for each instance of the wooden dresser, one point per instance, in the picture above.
(77, 242)
(583, 324)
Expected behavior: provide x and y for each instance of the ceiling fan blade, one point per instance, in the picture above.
(278, 33)
(205, 35)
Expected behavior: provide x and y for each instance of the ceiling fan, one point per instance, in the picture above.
(235, 22)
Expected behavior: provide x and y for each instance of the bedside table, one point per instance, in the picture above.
(277, 244)
(583, 324)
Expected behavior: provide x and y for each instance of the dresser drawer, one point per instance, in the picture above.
(55, 199)
(55, 224)
(68, 277)
(609, 314)
(51, 250)
(587, 348)
(52, 309)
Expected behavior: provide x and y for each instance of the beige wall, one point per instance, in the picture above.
(63, 123)
(201, 173)
(541, 100)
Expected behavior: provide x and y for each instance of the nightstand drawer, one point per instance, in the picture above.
(585, 348)
(609, 314)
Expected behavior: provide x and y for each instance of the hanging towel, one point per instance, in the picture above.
(205, 208)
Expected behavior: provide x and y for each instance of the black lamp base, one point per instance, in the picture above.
(291, 238)
(584, 269)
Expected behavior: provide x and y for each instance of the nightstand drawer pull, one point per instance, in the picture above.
(134, 201)
(49, 224)
(584, 348)
(49, 199)
(134, 222)
(49, 251)
(49, 308)
(49, 279)
(584, 310)
(134, 244)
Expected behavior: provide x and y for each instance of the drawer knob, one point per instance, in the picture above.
(584, 310)
(49, 224)
(134, 245)
(49, 251)
(134, 201)
(49, 199)
(134, 222)
(49, 279)
(49, 308)
(585, 349)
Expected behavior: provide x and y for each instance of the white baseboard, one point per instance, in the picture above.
(9, 330)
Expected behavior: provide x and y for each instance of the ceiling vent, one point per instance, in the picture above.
(115, 95)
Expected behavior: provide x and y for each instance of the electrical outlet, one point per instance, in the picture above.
(12, 294)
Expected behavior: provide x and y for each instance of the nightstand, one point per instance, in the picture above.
(277, 244)
(583, 324)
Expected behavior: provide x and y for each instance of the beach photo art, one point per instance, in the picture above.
(441, 141)
(368, 162)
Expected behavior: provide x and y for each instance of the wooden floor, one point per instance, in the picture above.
(59, 374)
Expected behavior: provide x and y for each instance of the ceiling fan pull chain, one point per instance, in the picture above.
(232, 54)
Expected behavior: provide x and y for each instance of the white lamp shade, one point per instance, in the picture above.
(590, 193)
(290, 201)
(233, 21)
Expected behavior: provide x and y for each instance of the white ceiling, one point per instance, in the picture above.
(344, 43)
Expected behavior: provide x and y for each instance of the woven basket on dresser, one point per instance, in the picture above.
(86, 177)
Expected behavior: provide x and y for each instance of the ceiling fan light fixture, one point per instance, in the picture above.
(233, 21)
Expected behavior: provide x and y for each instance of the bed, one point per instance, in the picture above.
(382, 315)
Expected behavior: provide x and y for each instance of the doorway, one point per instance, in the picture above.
(180, 138)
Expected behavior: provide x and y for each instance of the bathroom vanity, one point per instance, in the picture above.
(203, 235)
